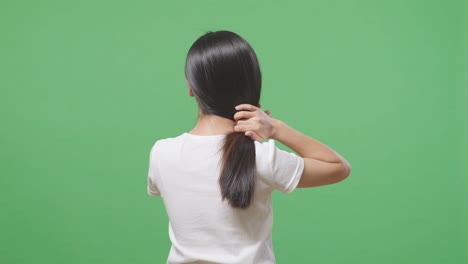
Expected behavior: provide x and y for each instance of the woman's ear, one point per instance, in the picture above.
(190, 88)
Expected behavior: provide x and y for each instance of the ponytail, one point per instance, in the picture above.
(237, 179)
(222, 71)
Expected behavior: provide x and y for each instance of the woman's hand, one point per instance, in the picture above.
(254, 122)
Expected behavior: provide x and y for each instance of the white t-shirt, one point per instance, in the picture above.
(184, 171)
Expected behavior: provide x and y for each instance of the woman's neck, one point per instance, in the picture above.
(212, 125)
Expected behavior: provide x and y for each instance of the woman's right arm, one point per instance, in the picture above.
(322, 165)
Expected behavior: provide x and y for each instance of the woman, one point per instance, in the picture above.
(216, 180)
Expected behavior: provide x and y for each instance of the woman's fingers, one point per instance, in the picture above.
(243, 115)
(252, 122)
(254, 136)
(243, 122)
(250, 131)
(247, 107)
(245, 128)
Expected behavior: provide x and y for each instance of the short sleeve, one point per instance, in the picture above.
(152, 188)
(286, 168)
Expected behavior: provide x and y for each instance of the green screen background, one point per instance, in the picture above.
(87, 87)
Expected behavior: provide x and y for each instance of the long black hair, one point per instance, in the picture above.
(223, 71)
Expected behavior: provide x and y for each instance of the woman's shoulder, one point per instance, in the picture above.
(166, 141)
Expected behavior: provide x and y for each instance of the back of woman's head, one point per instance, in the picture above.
(223, 71)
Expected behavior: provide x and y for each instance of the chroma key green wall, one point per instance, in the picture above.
(87, 87)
